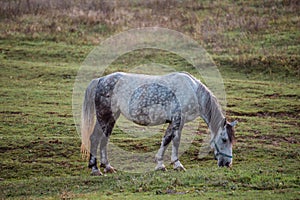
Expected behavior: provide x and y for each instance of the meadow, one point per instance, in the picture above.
(254, 44)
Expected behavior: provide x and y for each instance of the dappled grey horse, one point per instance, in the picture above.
(174, 99)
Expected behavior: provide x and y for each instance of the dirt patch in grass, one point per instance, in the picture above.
(263, 114)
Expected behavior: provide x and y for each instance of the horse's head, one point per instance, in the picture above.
(222, 144)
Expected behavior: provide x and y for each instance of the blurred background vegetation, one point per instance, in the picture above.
(259, 38)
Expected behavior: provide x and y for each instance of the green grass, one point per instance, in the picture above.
(258, 59)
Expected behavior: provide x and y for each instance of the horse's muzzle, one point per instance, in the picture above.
(223, 163)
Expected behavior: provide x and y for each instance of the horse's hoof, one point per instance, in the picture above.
(96, 173)
(178, 166)
(161, 168)
(110, 170)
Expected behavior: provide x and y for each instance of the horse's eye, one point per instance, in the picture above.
(224, 140)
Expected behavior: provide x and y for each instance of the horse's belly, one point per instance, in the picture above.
(151, 115)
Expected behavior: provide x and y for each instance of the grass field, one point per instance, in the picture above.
(255, 45)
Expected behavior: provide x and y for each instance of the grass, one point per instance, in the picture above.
(256, 48)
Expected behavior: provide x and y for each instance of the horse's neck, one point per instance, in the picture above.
(210, 109)
(216, 121)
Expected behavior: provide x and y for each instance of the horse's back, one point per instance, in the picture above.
(147, 99)
(172, 80)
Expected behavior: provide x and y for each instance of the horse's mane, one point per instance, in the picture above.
(210, 110)
(213, 112)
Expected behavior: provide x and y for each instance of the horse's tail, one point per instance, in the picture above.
(88, 118)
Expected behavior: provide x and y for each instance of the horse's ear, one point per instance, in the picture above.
(233, 123)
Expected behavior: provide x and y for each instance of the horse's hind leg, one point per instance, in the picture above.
(106, 115)
(95, 138)
(103, 153)
(107, 126)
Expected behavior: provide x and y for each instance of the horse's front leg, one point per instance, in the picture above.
(175, 151)
(94, 138)
(164, 145)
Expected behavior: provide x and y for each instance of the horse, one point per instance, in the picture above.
(148, 100)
